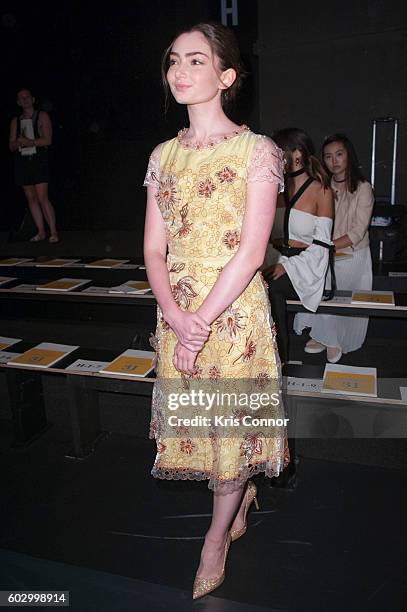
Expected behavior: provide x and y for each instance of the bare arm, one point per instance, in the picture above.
(155, 250)
(325, 203)
(45, 129)
(240, 269)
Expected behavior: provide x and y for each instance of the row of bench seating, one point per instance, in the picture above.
(25, 388)
(131, 319)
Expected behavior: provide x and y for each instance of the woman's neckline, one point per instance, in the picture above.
(211, 142)
(303, 211)
(339, 190)
(310, 214)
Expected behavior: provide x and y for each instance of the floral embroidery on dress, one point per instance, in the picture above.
(226, 175)
(231, 239)
(182, 430)
(164, 324)
(267, 163)
(227, 218)
(177, 267)
(202, 198)
(196, 373)
(183, 292)
(152, 177)
(206, 188)
(251, 444)
(230, 323)
(248, 351)
(167, 196)
(161, 447)
(186, 226)
(214, 373)
(262, 380)
(187, 446)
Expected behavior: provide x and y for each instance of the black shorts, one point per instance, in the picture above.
(31, 169)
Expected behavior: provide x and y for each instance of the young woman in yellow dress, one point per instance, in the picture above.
(211, 197)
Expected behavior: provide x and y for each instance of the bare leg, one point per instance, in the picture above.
(239, 519)
(35, 209)
(224, 510)
(47, 208)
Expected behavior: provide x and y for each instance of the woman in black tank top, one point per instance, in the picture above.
(30, 137)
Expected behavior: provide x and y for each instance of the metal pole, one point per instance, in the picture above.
(372, 172)
(393, 174)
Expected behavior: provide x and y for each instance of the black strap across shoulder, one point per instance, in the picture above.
(328, 294)
(290, 203)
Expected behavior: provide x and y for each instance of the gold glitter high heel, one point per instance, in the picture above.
(249, 497)
(203, 586)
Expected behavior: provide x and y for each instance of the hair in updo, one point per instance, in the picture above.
(225, 48)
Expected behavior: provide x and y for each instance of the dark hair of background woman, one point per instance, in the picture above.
(353, 173)
(224, 45)
(291, 139)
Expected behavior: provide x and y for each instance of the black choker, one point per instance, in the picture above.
(296, 173)
(341, 181)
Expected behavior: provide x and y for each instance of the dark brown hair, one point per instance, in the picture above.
(353, 173)
(24, 89)
(291, 139)
(224, 46)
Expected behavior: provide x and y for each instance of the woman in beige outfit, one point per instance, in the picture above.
(353, 209)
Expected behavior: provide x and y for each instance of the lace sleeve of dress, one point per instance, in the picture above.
(153, 169)
(267, 163)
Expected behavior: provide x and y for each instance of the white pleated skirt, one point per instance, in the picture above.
(346, 333)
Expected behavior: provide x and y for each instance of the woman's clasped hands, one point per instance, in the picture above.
(192, 333)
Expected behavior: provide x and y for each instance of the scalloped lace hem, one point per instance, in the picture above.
(271, 469)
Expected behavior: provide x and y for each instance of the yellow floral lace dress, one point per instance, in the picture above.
(201, 193)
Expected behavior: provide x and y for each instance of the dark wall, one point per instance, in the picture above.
(98, 73)
(330, 67)
(318, 66)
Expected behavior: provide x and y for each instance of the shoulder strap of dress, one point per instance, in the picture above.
(290, 203)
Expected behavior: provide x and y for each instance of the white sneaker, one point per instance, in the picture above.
(333, 354)
(313, 346)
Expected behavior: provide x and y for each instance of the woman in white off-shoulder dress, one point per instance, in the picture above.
(353, 210)
(302, 266)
